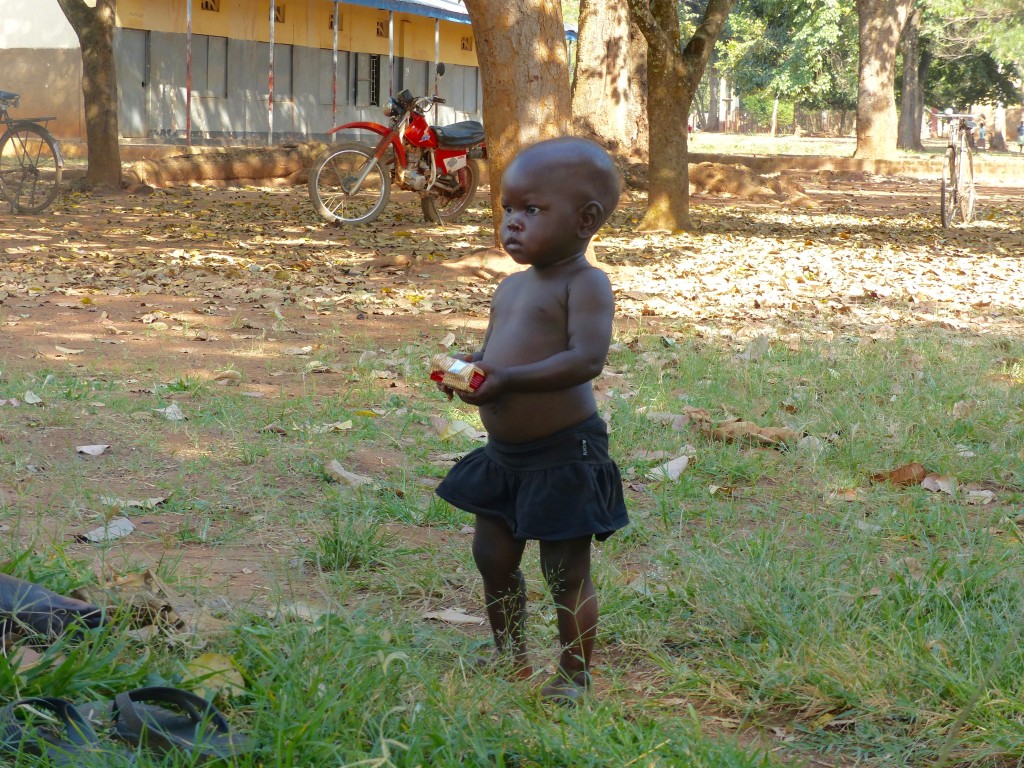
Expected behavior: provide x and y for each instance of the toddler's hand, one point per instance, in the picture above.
(492, 387)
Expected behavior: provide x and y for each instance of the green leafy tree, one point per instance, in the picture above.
(802, 52)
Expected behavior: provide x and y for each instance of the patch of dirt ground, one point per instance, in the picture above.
(131, 292)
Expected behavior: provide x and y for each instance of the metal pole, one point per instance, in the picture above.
(437, 60)
(391, 53)
(270, 97)
(334, 72)
(188, 73)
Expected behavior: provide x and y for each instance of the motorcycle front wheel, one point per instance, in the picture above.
(332, 185)
(452, 194)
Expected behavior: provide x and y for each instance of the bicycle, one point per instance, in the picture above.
(31, 163)
(958, 194)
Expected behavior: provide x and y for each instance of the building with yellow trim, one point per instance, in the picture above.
(244, 70)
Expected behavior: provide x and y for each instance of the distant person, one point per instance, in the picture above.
(981, 135)
(1020, 136)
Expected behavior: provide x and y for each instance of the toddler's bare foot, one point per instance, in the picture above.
(566, 690)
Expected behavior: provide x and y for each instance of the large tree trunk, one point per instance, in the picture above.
(95, 29)
(912, 96)
(609, 91)
(880, 24)
(673, 77)
(524, 70)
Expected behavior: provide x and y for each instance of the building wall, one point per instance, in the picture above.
(40, 58)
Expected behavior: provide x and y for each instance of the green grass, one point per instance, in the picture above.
(855, 629)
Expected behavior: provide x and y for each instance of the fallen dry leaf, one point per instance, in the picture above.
(213, 674)
(452, 616)
(670, 470)
(908, 474)
(150, 503)
(338, 473)
(847, 494)
(455, 428)
(940, 484)
(172, 412)
(92, 450)
(962, 409)
(116, 528)
(737, 430)
(979, 497)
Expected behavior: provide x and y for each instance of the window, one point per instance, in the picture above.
(366, 91)
(326, 76)
(210, 5)
(209, 66)
(278, 14)
(467, 43)
(470, 86)
(283, 54)
(382, 29)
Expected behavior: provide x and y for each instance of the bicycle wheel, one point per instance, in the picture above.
(452, 194)
(949, 187)
(332, 180)
(30, 168)
(965, 187)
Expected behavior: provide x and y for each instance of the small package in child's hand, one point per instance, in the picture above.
(455, 374)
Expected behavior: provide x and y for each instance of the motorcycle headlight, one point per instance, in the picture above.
(393, 108)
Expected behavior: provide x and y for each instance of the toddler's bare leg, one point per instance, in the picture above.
(566, 566)
(497, 555)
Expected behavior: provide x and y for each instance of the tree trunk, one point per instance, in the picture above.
(673, 77)
(638, 84)
(524, 71)
(880, 24)
(911, 98)
(714, 108)
(607, 100)
(95, 30)
(775, 117)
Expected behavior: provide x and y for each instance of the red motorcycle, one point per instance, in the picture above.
(351, 182)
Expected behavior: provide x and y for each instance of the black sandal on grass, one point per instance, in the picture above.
(54, 729)
(170, 719)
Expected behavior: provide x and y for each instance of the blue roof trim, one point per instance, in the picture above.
(419, 9)
(438, 9)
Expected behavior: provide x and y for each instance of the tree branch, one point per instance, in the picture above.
(640, 12)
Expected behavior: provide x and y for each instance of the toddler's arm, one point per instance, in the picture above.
(590, 309)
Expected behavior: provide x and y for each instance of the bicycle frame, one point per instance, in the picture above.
(957, 191)
(31, 161)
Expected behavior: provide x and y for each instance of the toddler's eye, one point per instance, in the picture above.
(508, 209)
(532, 210)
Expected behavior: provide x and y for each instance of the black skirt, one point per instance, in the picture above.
(563, 486)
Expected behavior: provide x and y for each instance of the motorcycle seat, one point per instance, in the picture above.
(458, 135)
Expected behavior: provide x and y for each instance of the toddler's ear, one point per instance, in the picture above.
(591, 219)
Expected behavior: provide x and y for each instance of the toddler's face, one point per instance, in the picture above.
(541, 218)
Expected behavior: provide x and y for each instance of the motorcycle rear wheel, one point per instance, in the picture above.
(331, 179)
(440, 206)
